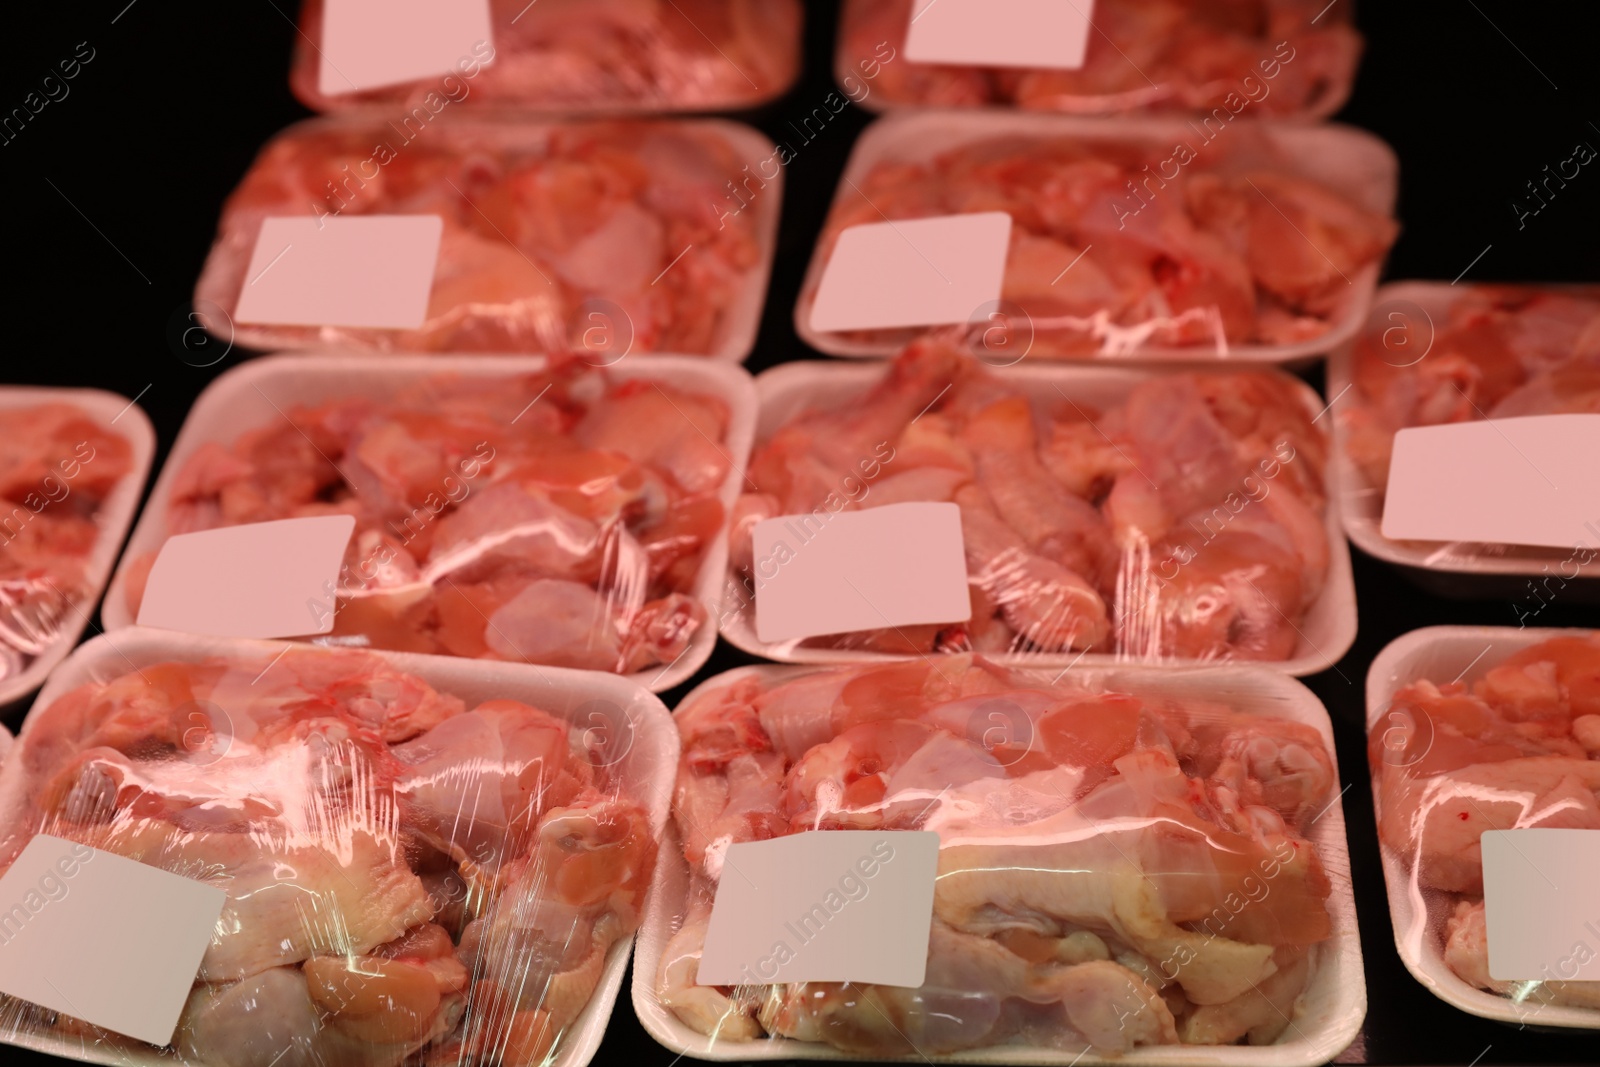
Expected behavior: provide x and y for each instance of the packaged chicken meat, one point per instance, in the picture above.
(1107, 514)
(1434, 353)
(74, 463)
(1143, 237)
(424, 860)
(571, 517)
(622, 56)
(1128, 860)
(1478, 729)
(602, 239)
(1262, 58)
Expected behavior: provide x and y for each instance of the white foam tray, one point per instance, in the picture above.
(1442, 654)
(221, 277)
(1330, 1012)
(119, 415)
(251, 396)
(647, 769)
(1351, 162)
(1450, 568)
(1326, 633)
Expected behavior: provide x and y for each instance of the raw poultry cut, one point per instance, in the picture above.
(557, 518)
(406, 877)
(1142, 55)
(1120, 244)
(556, 236)
(1514, 750)
(1115, 869)
(589, 55)
(1185, 521)
(57, 466)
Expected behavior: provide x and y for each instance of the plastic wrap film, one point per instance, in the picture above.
(72, 464)
(1108, 514)
(504, 510)
(1128, 860)
(1147, 237)
(603, 239)
(597, 55)
(1474, 729)
(1433, 354)
(421, 865)
(1279, 58)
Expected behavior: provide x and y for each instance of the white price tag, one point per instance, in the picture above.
(1048, 34)
(1540, 908)
(370, 44)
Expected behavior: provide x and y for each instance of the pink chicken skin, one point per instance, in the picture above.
(559, 518)
(406, 876)
(1115, 870)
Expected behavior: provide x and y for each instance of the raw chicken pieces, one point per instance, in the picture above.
(405, 875)
(1276, 58)
(1121, 244)
(1115, 870)
(1514, 750)
(590, 55)
(557, 518)
(57, 466)
(1187, 521)
(556, 237)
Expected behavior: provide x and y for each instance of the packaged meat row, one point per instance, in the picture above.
(1278, 58)
(1159, 238)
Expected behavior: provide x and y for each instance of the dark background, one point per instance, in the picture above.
(112, 196)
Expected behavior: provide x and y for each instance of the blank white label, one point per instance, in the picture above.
(102, 938)
(826, 906)
(262, 579)
(913, 272)
(1540, 904)
(365, 271)
(369, 44)
(1000, 33)
(840, 572)
(1522, 481)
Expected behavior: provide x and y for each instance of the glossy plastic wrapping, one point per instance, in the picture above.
(1130, 861)
(1147, 237)
(72, 465)
(1433, 354)
(1274, 58)
(603, 239)
(1108, 513)
(625, 56)
(504, 511)
(425, 861)
(1476, 729)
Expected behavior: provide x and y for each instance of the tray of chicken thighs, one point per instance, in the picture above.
(1134, 866)
(425, 860)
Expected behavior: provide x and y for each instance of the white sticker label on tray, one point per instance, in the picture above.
(103, 938)
(367, 271)
(840, 572)
(913, 272)
(262, 579)
(1052, 34)
(826, 906)
(1540, 907)
(1521, 481)
(370, 44)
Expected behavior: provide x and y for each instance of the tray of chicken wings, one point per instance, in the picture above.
(1475, 729)
(1107, 514)
(74, 463)
(506, 508)
(620, 56)
(1148, 237)
(423, 859)
(1133, 866)
(604, 238)
(1265, 58)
